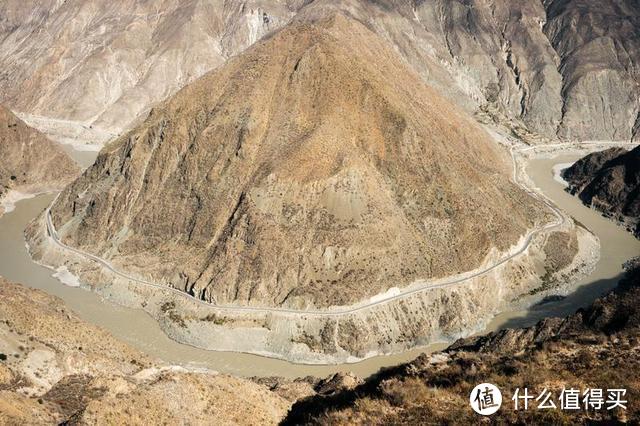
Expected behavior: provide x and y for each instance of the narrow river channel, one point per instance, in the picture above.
(141, 331)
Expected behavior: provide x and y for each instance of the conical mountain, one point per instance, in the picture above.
(314, 169)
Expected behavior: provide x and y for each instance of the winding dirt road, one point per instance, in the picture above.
(346, 310)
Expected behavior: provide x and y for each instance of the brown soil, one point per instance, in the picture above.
(314, 169)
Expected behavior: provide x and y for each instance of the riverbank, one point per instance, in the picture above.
(12, 197)
(137, 328)
(9, 200)
(57, 369)
(593, 348)
(616, 245)
(419, 315)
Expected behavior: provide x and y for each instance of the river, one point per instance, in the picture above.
(142, 332)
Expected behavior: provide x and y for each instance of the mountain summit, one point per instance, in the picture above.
(314, 168)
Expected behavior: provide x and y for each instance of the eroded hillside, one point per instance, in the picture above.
(29, 162)
(557, 68)
(55, 368)
(314, 169)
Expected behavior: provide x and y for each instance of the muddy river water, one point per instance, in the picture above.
(142, 332)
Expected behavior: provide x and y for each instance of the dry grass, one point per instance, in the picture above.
(595, 348)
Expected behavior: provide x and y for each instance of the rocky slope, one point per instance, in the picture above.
(315, 169)
(54, 369)
(100, 64)
(609, 181)
(29, 162)
(560, 68)
(595, 348)
(598, 45)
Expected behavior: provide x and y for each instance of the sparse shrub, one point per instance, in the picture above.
(168, 306)
(215, 319)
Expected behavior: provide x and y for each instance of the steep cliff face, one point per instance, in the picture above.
(609, 181)
(562, 68)
(28, 160)
(315, 168)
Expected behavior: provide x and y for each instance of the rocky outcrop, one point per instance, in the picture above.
(57, 369)
(315, 169)
(306, 386)
(609, 181)
(597, 347)
(29, 162)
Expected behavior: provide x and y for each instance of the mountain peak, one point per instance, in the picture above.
(313, 168)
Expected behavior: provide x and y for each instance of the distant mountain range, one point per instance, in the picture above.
(560, 68)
